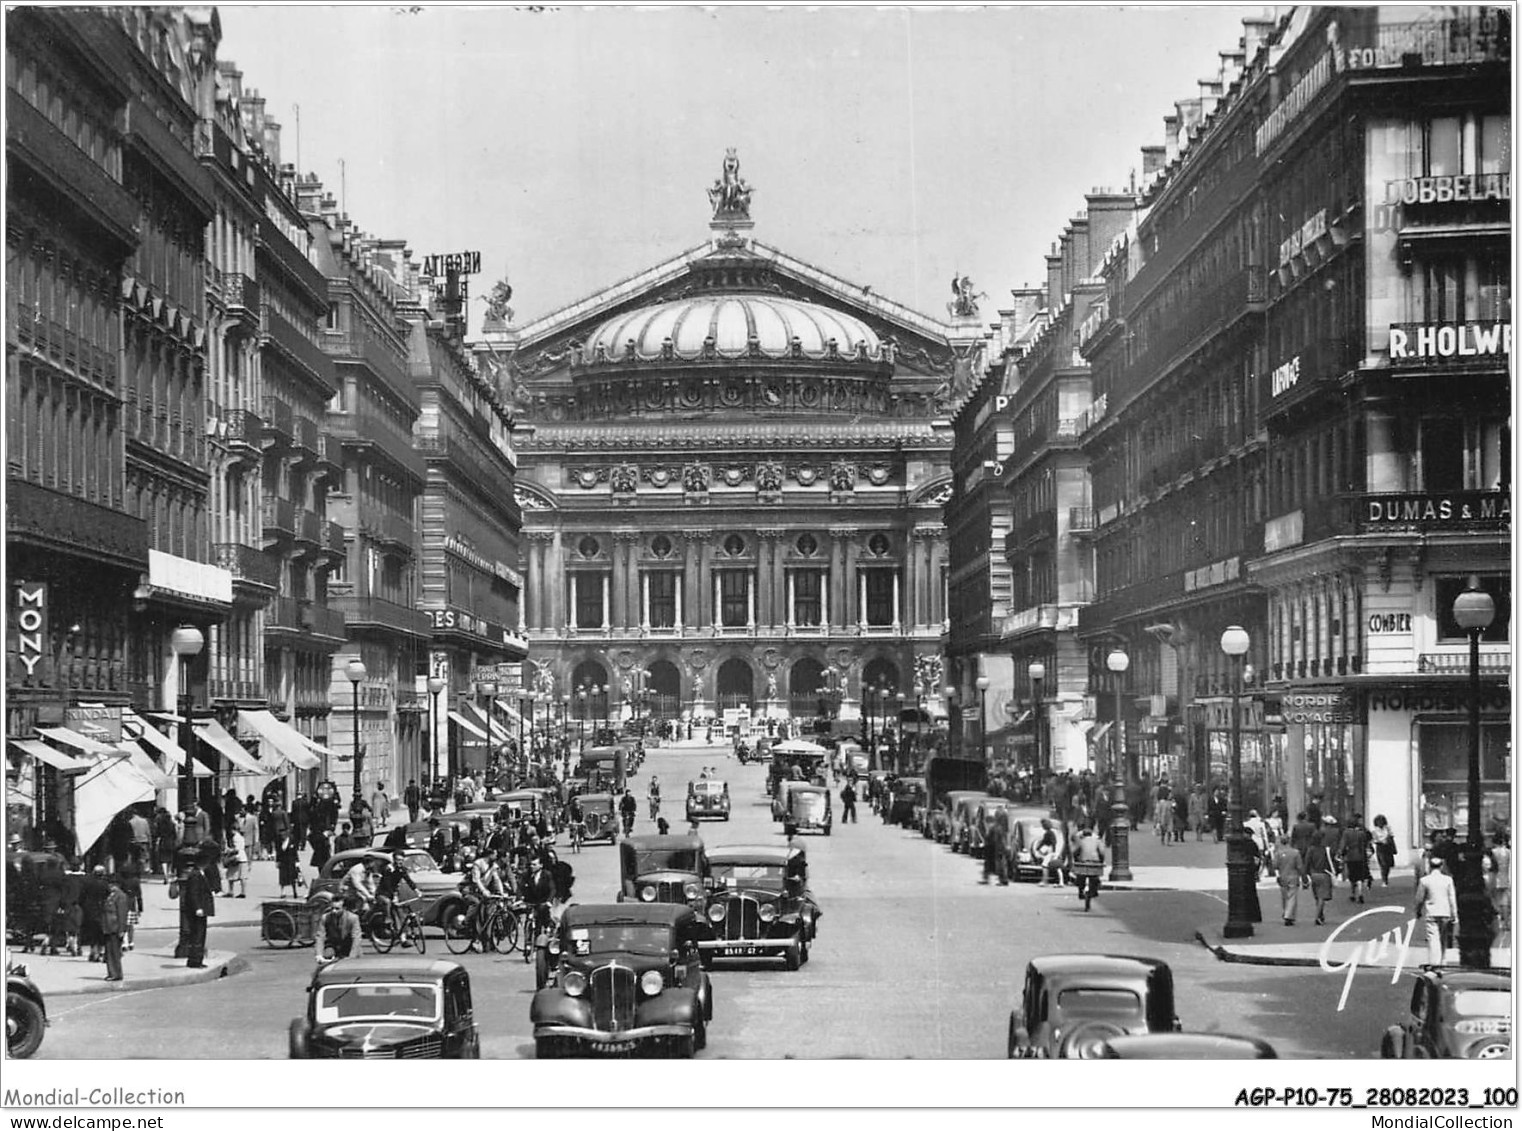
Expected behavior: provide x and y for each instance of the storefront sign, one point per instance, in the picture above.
(454, 619)
(104, 724)
(1465, 189)
(463, 262)
(1310, 231)
(1457, 511)
(26, 638)
(1294, 103)
(1285, 377)
(1437, 700)
(1389, 624)
(1217, 573)
(1283, 532)
(1465, 339)
(1316, 707)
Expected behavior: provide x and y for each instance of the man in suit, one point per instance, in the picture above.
(113, 922)
(1290, 866)
(196, 906)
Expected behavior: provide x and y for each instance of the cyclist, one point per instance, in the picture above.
(358, 886)
(578, 822)
(394, 885)
(655, 796)
(627, 807)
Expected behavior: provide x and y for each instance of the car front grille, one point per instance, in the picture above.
(426, 1048)
(614, 994)
(670, 891)
(742, 918)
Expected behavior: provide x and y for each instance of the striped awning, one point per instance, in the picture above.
(45, 753)
(215, 735)
(499, 732)
(286, 741)
(134, 726)
(81, 742)
(466, 725)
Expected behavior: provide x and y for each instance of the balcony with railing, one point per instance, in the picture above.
(379, 360)
(239, 294)
(383, 526)
(1189, 459)
(33, 140)
(248, 564)
(309, 528)
(323, 620)
(1080, 520)
(373, 613)
(371, 428)
(242, 690)
(309, 442)
(244, 428)
(1457, 662)
(333, 540)
(492, 481)
(330, 458)
(68, 347)
(279, 518)
(279, 421)
(1316, 367)
(1030, 530)
(1192, 325)
(300, 351)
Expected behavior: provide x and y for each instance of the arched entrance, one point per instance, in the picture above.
(735, 684)
(589, 691)
(665, 686)
(804, 683)
(881, 672)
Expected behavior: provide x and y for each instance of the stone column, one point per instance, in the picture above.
(769, 577)
(575, 580)
(606, 585)
(855, 612)
(1385, 470)
(554, 571)
(791, 603)
(898, 614)
(911, 580)
(692, 584)
(841, 578)
(619, 612)
(935, 606)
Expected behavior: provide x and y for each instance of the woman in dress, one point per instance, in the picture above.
(288, 864)
(1384, 847)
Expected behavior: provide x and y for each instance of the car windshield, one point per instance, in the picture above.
(713, 787)
(666, 860)
(639, 938)
(414, 1001)
(1091, 1002)
(416, 862)
(807, 803)
(749, 875)
(1482, 1003)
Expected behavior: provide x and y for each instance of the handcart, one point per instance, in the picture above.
(288, 922)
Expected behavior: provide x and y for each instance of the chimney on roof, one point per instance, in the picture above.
(1191, 114)
(1256, 32)
(1170, 131)
(1109, 212)
(1154, 159)
(271, 139)
(1023, 312)
(1055, 284)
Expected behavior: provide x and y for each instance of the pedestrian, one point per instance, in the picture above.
(1318, 867)
(197, 905)
(340, 930)
(1163, 814)
(195, 824)
(92, 897)
(361, 821)
(288, 866)
(1313, 810)
(412, 797)
(848, 804)
(250, 830)
(380, 805)
(1301, 834)
(236, 861)
(1356, 847)
(142, 835)
(1290, 867)
(995, 854)
(165, 840)
(1257, 833)
(232, 812)
(1437, 906)
(130, 877)
(662, 826)
(345, 840)
(301, 817)
(1197, 812)
(1218, 814)
(1332, 835)
(113, 922)
(1384, 847)
(322, 851)
(1498, 880)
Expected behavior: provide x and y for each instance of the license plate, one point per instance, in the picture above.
(743, 951)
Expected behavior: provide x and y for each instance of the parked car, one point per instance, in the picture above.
(26, 1014)
(906, 806)
(961, 808)
(988, 811)
(624, 977)
(1025, 834)
(806, 808)
(387, 1008)
(599, 811)
(707, 798)
(942, 776)
(436, 888)
(1454, 1014)
(663, 869)
(1186, 1046)
(1072, 1003)
(759, 905)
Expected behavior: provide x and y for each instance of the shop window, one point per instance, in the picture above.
(1446, 589)
(1443, 749)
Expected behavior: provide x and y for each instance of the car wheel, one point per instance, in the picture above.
(541, 968)
(706, 999)
(684, 1048)
(546, 1048)
(1013, 1052)
(1493, 1050)
(298, 1040)
(24, 1026)
(699, 1036)
(791, 958)
(803, 953)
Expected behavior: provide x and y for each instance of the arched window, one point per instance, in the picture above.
(736, 684)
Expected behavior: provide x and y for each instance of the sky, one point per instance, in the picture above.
(573, 147)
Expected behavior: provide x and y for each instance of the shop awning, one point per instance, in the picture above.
(45, 753)
(150, 770)
(83, 743)
(466, 725)
(134, 726)
(498, 731)
(105, 789)
(285, 740)
(317, 748)
(1098, 733)
(215, 735)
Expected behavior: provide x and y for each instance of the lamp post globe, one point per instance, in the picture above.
(436, 687)
(1242, 909)
(1473, 611)
(1119, 662)
(1036, 671)
(354, 671)
(186, 642)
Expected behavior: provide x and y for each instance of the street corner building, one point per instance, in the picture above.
(732, 468)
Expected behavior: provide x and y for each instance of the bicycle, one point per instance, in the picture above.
(578, 833)
(398, 924)
(486, 925)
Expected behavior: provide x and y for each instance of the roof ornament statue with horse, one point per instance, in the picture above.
(730, 195)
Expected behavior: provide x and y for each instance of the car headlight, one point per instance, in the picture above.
(647, 894)
(553, 946)
(717, 912)
(692, 891)
(651, 982)
(574, 983)
(767, 912)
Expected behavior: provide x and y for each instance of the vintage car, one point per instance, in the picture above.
(960, 806)
(663, 869)
(1025, 833)
(988, 811)
(387, 1008)
(417, 834)
(804, 808)
(624, 977)
(1455, 1014)
(906, 803)
(26, 1015)
(707, 799)
(760, 905)
(604, 769)
(1186, 1046)
(436, 888)
(1073, 1003)
(599, 812)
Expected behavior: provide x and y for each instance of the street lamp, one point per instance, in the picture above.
(1473, 610)
(981, 683)
(949, 694)
(489, 691)
(1120, 814)
(1037, 673)
(898, 731)
(355, 671)
(187, 641)
(581, 719)
(435, 686)
(1240, 891)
